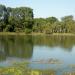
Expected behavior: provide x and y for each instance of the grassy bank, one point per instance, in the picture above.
(19, 33)
(11, 33)
(22, 33)
(64, 34)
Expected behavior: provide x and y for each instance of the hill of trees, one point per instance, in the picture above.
(22, 19)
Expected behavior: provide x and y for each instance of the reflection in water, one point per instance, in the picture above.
(22, 46)
(66, 42)
(36, 48)
(16, 46)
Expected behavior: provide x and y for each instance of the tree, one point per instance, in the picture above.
(51, 19)
(23, 18)
(39, 24)
(68, 23)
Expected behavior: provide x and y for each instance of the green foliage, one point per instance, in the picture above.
(21, 20)
(53, 25)
(16, 19)
(39, 24)
(51, 19)
(27, 31)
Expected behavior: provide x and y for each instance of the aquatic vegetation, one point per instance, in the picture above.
(49, 61)
(69, 73)
(72, 65)
(22, 69)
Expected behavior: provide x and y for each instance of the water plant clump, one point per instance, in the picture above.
(22, 69)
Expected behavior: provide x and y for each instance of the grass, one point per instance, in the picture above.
(12, 33)
(66, 34)
(23, 33)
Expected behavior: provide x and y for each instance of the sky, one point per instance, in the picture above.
(45, 8)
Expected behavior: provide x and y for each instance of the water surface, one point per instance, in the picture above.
(35, 49)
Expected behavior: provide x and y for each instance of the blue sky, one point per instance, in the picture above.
(45, 8)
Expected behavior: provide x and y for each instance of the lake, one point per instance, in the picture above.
(42, 52)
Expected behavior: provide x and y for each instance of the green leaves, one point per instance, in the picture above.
(16, 18)
(53, 25)
(21, 20)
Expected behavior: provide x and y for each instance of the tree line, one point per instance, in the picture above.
(21, 19)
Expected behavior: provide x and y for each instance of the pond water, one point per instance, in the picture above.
(43, 52)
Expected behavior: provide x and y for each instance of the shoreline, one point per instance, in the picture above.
(22, 33)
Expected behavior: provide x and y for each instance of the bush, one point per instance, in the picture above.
(28, 31)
